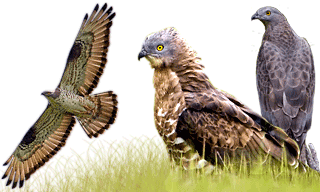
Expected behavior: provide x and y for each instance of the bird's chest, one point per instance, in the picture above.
(169, 101)
(276, 66)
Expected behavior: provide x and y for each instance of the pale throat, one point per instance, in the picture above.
(154, 61)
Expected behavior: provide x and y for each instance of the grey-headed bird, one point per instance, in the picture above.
(285, 78)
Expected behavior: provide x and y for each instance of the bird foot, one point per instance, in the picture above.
(311, 156)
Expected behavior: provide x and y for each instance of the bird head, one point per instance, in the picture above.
(268, 15)
(46, 94)
(163, 48)
(51, 95)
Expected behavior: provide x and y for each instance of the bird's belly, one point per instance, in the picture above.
(76, 105)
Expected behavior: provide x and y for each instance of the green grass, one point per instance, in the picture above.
(141, 165)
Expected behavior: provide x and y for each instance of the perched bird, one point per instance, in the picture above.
(70, 100)
(285, 77)
(198, 121)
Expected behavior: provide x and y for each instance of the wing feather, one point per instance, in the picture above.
(286, 86)
(93, 13)
(87, 57)
(230, 128)
(39, 144)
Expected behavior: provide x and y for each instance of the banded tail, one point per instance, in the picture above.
(103, 116)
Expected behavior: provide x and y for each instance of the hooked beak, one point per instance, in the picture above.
(255, 16)
(142, 54)
(44, 93)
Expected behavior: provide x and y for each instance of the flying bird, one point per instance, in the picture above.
(285, 77)
(199, 122)
(71, 100)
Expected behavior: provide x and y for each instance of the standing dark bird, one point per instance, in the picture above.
(197, 120)
(285, 77)
(70, 99)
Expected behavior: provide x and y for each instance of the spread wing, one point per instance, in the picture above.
(286, 89)
(87, 57)
(226, 128)
(43, 140)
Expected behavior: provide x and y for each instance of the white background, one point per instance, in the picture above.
(36, 38)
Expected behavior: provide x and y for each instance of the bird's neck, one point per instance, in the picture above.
(191, 76)
(165, 82)
(185, 71)
(281, 34)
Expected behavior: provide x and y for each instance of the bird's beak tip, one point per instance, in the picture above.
(255, 16)
(142, 54)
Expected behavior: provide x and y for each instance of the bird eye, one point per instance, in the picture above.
(268, 13)
(160, 47)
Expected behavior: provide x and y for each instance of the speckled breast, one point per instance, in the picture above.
(169, 101)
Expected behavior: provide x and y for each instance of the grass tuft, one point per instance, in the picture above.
(142, 165)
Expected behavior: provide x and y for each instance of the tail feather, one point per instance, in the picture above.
(103, 116)
(278, 147)
(276, 142)
(280, 140)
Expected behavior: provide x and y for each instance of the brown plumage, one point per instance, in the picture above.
(192, 116)
(70, 100)
(104, 114)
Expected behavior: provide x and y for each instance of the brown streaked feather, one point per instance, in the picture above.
(103, 116)
(9, 159)
(34, 162)
(93, 13)
(88, 130)
(7, 171)
(38, 145)
(104, 7)
(22, 175)
(12, 173)
(209, 116)
(48, 145)
(55, 142)
(87, 57)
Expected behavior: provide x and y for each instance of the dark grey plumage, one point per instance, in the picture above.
(285, 76)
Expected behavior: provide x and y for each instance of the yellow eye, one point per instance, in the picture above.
(160, 47)
(268, 13)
